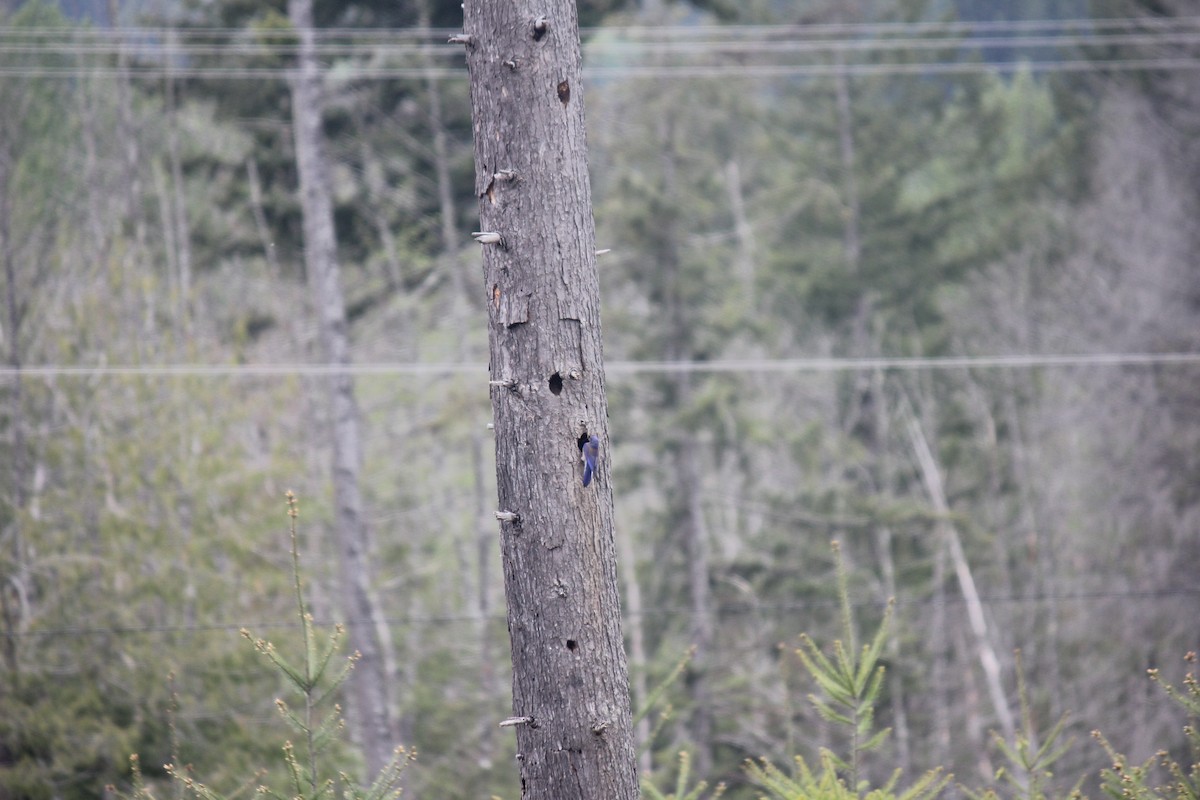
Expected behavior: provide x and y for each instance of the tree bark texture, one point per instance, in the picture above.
(570, 677)
(178, 200)
(13, 606)
(369, 683)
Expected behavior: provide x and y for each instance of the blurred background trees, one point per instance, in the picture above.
(790, 211)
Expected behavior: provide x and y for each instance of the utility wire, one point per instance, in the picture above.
(753, 365)
(752, 31)
(166, 44)
(1018, 361)
(173, 49)
(349, 72)
(739, 45)
(947, 27)
(730, 609)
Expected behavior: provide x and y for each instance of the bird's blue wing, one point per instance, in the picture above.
(591, 451)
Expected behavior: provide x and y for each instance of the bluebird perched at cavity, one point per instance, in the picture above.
(591, 452)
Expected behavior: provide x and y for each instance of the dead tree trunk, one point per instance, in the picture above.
(13, 604)
(684, 454)
(931, 475)
(570, 677)
(369, 684)
(178, 201)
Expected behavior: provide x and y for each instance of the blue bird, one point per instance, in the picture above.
(591, 452)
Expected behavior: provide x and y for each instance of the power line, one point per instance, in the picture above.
(716, 71)
(173, 49)
(727, 609)
(1018, 361)
(169, 44)
(753, 31)
(909, 28)
(877, 45)
(753, 365)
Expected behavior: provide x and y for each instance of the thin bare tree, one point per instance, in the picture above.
(369, 684)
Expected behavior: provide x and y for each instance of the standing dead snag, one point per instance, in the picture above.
(371, 708)
(571, 711)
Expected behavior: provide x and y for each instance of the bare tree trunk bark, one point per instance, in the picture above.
(973, 725)
(743, 230)
(485, 536)
(179, 219)
(132, 183)
(373, 179)
(852, 240)
(685, 454)
(1041, 542)
(696, 536)
(570, 677)
(370, 681)
(260, 217)
(166, 221)
(637, 649)
(13, 592)
(450, 260)
(441, 150)
(887, 564)
(98, 233)
(940, 655)
(869, 417)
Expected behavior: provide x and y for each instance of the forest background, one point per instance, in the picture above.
(916, 276)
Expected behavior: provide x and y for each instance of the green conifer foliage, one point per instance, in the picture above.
(850, 682)
(316, 765)
(1145, 781)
